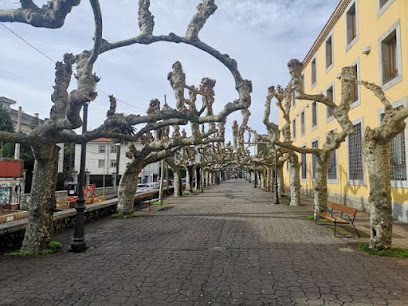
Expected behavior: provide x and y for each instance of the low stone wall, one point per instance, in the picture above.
(12, 233)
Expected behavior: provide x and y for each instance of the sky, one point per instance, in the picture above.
(262, 35)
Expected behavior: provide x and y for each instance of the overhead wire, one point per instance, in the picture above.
(54, 61)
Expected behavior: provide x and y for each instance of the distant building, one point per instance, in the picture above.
(101, 159)
(26, 119)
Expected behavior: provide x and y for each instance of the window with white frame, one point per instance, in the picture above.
(355, 155)
(356, 91)
(314, 114)
(113, 163)
(315, 145)
(302, 123)
(351, 24)
(390, 56)
(329, 52)
(101, 163)
(101, 149)
(383, 6)
(330, 96)
(313, 72)
(304, 166)
(332, 167)
(398, 156)
(294, 128)
(114, 148)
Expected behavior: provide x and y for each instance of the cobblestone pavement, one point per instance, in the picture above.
(228, 245)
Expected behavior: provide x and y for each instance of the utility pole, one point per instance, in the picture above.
(18, 130)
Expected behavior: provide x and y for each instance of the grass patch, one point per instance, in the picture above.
(160, 203)
(394, 252)
(124, 216)
(53, 247)
(311, 217)
(21, 253)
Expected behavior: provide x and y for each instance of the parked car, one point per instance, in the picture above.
(142, 188)
(154, 185)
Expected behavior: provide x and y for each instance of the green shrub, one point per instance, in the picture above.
(393, 252)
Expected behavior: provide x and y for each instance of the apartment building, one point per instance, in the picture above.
(102, 157)
(370, 35)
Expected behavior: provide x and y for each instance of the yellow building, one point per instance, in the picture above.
(371, 35)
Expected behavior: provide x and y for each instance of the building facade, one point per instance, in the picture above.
(372, 37)
(102, 157)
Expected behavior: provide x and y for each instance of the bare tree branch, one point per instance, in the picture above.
(52, 15)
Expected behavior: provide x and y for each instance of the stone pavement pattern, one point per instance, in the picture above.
(225, 246)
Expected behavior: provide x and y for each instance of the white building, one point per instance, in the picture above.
(101, 158)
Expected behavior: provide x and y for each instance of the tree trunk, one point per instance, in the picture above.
(294, 180)
(379, 172)
(281, 182)
(40, 213)
(177, 182)
(320, 194)
(189, 177)
(127, 189)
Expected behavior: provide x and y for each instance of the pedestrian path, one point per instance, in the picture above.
(228, 245)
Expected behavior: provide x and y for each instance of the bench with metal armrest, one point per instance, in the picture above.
(347, 216)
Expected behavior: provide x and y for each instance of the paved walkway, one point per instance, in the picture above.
(225, 246)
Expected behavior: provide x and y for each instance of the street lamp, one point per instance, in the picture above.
(276, 194)
(78, 242)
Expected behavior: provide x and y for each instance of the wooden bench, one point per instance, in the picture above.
(345, 212)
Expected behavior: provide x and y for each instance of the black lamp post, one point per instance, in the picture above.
(276, 194)
(78, 242)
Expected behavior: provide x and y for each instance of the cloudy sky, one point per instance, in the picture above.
(262, 35)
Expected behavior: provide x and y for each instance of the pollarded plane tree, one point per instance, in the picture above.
(65, 114)
(334, 139)
(377, 150)
(283, 102)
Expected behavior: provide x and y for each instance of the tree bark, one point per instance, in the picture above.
(127, 189)
(294, 180)
(40, 213)
(177, 182)
(189, 176)
(379, 172)
(320, 193)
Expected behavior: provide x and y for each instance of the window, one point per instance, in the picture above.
(294, 128)
(398, 157)
(332, 167)
(302, 123)
(101, 149)
(304, 166)
(315, 144)
(355, 87)
(355, 156)
(330, 96)
(113, 164)
(314, 72)
(389, 57)
(351, 24)
(314, 114)
(382, 6)
(287, 166)
(101, 163)
(114, 148)
(329, 52)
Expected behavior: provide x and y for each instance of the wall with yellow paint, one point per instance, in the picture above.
(371, 26)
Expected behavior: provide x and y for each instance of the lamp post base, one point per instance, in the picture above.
(78, 245)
